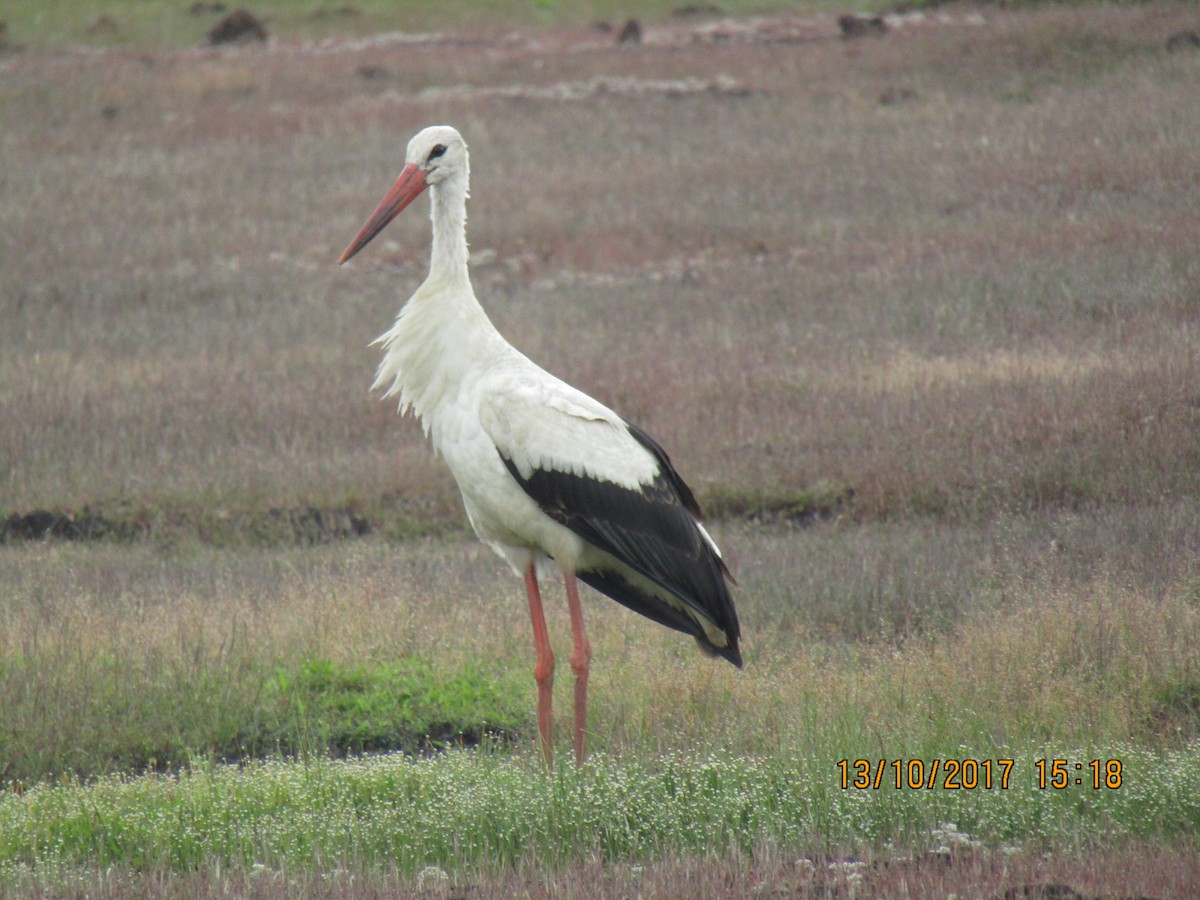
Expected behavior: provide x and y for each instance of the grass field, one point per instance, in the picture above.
(915, 315)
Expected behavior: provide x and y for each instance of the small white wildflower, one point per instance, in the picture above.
(949, 836)
(849, 866)
(430, 876)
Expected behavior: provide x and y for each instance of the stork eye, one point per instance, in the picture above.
(437, 151)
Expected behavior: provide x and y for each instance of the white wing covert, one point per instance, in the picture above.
(545, 424)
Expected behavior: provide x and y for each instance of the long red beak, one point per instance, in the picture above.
(406, 189)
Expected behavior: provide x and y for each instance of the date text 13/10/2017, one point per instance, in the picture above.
(972, 774)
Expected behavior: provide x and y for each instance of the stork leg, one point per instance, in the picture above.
(543, 668)
(581, 656)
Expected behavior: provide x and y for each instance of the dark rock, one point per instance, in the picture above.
(631, 33)
(853, 26)
(894, 95)
(239, 27)
(1183, 40)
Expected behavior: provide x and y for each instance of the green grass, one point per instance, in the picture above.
(408, 705)
(470, 810)
(157, 708)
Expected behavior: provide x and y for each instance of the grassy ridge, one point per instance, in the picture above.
(1017, 633)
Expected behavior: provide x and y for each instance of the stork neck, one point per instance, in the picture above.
(448, 209)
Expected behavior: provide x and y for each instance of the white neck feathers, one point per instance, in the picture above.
(441, 331)
(448, 210)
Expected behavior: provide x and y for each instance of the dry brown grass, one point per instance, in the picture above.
(1068, 630)
(1135, 869)
(976, 297)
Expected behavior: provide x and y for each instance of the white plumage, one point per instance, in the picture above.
(546, 472)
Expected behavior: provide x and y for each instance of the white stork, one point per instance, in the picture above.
(546, 472)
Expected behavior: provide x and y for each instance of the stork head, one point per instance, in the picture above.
(439, 151)
(436, 154)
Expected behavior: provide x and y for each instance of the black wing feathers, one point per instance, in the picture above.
(653, 531)
(686, 497)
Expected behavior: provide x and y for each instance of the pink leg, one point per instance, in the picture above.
(543, 668)
(581, 655)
